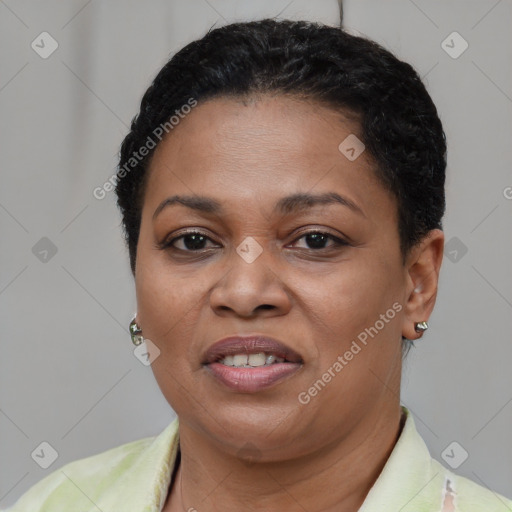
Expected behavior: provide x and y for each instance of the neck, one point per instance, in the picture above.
(335, 478)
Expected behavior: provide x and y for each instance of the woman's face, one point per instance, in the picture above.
(319, 297)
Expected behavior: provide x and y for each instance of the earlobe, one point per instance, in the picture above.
(422, 267)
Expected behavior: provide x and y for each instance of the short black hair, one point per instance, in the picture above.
(399, 123)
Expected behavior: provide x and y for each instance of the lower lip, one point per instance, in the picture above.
(251, 380)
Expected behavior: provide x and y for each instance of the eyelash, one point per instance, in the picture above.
(168, 244)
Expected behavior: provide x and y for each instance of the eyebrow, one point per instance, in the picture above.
(286, 205)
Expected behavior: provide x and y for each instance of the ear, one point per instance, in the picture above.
(423, 264)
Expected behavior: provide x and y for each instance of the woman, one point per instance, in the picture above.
(282, 191)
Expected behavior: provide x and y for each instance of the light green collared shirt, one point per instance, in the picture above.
(135, 477)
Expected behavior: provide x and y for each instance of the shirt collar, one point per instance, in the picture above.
(407, 479)
(145, 486)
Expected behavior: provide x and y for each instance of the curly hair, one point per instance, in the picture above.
(399, 123)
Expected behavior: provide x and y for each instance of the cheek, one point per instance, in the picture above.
(164, 300)
(357, 317)
(346, 309)
(353, 296)
(167, 305)
(168, 309)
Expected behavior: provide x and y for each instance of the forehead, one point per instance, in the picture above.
(261, 127)
(262, 148)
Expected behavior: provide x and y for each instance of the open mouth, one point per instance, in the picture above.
(251, 364)
(252, 360)
(251, 352)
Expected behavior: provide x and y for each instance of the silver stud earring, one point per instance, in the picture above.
(136, 333)
(420, 327)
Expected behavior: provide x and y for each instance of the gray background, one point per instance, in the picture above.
(68, 373)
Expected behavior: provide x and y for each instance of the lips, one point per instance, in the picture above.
(249, 345)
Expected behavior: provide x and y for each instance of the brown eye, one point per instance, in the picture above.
(192, 241)
(318, 240)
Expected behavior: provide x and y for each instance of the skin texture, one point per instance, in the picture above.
(324, 455)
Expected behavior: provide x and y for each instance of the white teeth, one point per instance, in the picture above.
(257, 359)
(251, 360)
(240, 360)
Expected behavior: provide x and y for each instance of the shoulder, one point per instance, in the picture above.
(468, 496)
(413, 478)
(79, 483)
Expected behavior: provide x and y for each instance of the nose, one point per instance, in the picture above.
(251, 289)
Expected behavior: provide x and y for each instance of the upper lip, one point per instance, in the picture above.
(249, 345)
